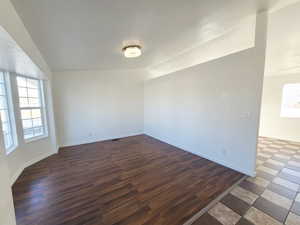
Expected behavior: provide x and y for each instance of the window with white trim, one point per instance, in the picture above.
(31, 100)
(7, 117)
(290, 106)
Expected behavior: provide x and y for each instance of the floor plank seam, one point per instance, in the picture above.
(214, 202)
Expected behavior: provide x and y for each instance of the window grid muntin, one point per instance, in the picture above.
(34, 131)
(9, 141)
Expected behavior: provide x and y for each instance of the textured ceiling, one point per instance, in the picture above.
(87, 35)
(14, 59)
(283, 46)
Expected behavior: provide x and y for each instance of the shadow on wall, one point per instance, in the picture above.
(212, 109)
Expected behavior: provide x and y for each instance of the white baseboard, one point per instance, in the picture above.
(40, 157)
(216, 160)
(29, 163)
(69, 144)
(16, 175)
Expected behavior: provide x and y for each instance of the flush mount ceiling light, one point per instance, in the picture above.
(132, 51)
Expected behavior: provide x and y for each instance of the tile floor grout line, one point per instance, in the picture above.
(214, 202)
(271, 182)
(269, 209)
(279, 171)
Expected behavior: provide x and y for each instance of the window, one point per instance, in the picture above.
(6, 113)
(31, 100)
(291, 101)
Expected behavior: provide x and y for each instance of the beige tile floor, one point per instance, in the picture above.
(271, 198)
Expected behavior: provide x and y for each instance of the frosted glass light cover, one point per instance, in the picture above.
(132, 51)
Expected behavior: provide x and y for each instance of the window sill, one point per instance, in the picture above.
(29, 140)
(10, 150)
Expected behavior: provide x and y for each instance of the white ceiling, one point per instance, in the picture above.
(88, 35)
(283, 46)
(14, 59)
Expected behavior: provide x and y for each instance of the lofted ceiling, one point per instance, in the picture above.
(78, 34)
(14, 59)
(175, 34)
(283, 46)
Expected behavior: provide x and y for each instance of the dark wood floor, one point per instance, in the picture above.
(137, 180)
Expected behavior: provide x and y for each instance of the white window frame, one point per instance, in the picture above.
(290, 95)
(11, 115)
(42, 108)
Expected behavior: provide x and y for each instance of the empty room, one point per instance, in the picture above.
(140, 112)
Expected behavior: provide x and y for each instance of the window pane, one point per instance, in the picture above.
(27, 124)
(33, 102)
(33, 93)
(22, 92)
(291, 101)
(26, 114)
(30, 99)
(2, 89)
(5, 112)
(37, 122)
(24, 102)
(3, 102)
(4, 116)
(31, 83)
(21, 81)
(5, 128)
(28, 133)
(1, 77)
(38, 131)
(36, 113)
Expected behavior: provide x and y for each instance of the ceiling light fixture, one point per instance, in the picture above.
(132, 51)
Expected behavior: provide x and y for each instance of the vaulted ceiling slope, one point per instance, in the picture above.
(89, 35)
(77, 34)
(283, 46)
(13, 58)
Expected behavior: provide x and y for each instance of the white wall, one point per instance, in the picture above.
(28, 153)
(211, 109)
(97, 105)
(182, 108)
(271, 124)
(7, 212)
(12, 165)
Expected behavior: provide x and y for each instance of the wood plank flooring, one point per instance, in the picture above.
(136, 180)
